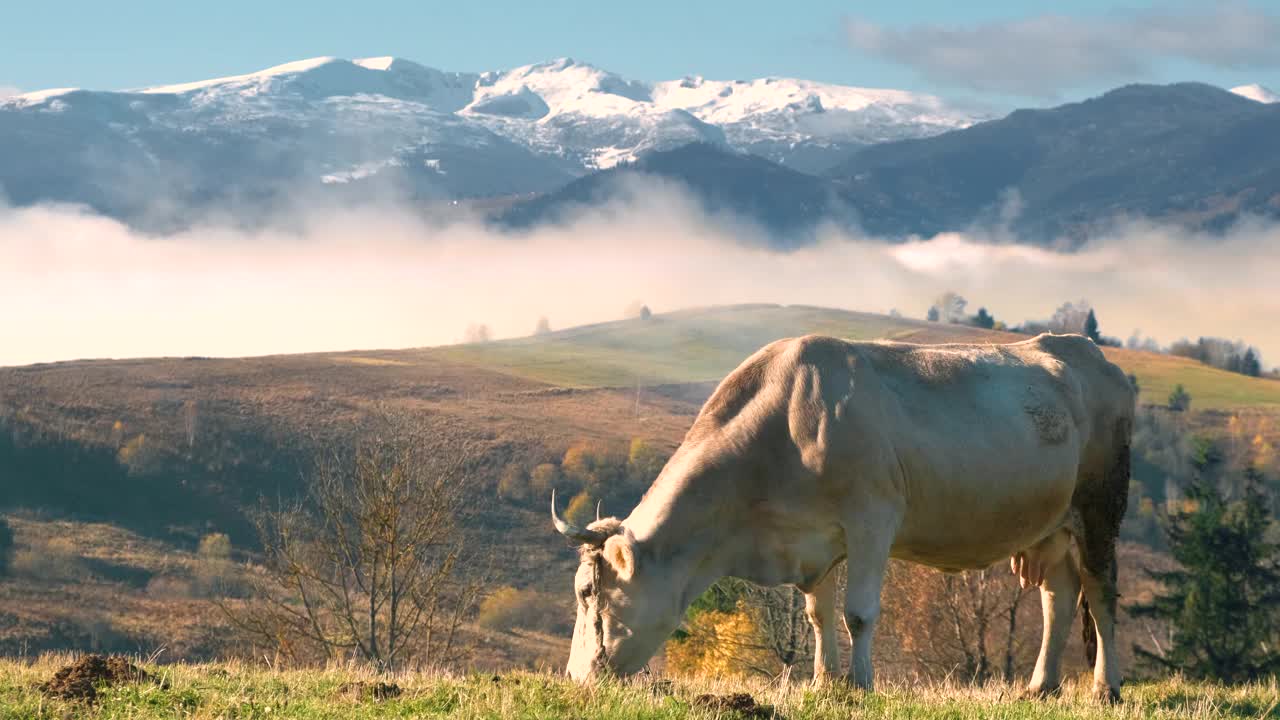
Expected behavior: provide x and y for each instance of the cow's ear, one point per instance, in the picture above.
(619, 552)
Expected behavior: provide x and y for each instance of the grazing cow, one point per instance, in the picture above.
(816, 450)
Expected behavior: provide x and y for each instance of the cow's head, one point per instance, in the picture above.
(625, 610)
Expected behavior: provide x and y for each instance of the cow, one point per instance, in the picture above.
(817, 450)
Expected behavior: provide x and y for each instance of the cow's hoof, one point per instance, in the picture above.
(1106, 694)
(834, 682)
(820, 682)
(1042, 692)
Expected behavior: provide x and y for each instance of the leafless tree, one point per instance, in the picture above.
(785, 631)
(949, 307)
(961, 626)
(1070, 317)
(370, 563)
(477, 333)
(974, 602)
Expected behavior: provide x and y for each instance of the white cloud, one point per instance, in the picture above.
(8, 91)
(87, 286)
(1043, 55)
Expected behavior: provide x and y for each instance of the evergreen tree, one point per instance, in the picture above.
(1091, 327)
(932, 315)
(1224, 599)
(1250, 365)
(1179, 399)
(983, 319)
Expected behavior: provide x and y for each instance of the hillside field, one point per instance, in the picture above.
(115, 468)
(704, 345)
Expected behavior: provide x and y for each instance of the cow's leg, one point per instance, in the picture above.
(1059, 592)
(820, 607)
(1100, 502)
(1098, 577)
(868, 556)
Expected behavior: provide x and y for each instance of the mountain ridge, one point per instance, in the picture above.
(327, 129)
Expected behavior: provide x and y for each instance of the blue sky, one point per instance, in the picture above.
(1001, 53)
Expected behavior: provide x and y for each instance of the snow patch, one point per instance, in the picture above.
(1256, 92)
(37, 97)
(360, 172)
(291, 68)
(377, 63)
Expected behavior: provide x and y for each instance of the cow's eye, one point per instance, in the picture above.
(585, 592)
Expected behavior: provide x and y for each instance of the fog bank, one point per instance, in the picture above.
(76, 285)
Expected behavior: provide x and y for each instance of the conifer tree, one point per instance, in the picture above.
(1223, 601)
(1091, 327)
(1250, 365)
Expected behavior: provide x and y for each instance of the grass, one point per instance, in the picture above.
(686, 346)
(239, 690)
(1210, 388)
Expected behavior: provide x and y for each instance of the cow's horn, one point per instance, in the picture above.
(598, 504)
(573, 532)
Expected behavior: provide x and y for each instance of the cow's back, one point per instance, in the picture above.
(986, 444)
(959, 436)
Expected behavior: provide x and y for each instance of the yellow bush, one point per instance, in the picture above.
(131, 449)
(543, 478)
(513, 486)
(215, 546)
(582, 510)
(720, 644)
(644, 461)
(508, 608)
(593, 464)
(500, 610)
(578, 463)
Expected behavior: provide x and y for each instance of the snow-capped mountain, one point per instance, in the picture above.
(370, 126)
(808, 125)
(1254, 91)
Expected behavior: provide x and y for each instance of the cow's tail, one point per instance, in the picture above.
(1087, 632)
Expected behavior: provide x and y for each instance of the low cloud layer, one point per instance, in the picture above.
(1044, 55)
(76, 285)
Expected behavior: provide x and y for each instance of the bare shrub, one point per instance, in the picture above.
(370, 562)
(54, 560)
(170, 587)
(960, 626)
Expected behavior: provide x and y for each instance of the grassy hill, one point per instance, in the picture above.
(189, 441)
(705, 344)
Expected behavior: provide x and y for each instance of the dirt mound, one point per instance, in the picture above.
(80, 679)
(741, 703)
(370, 690)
